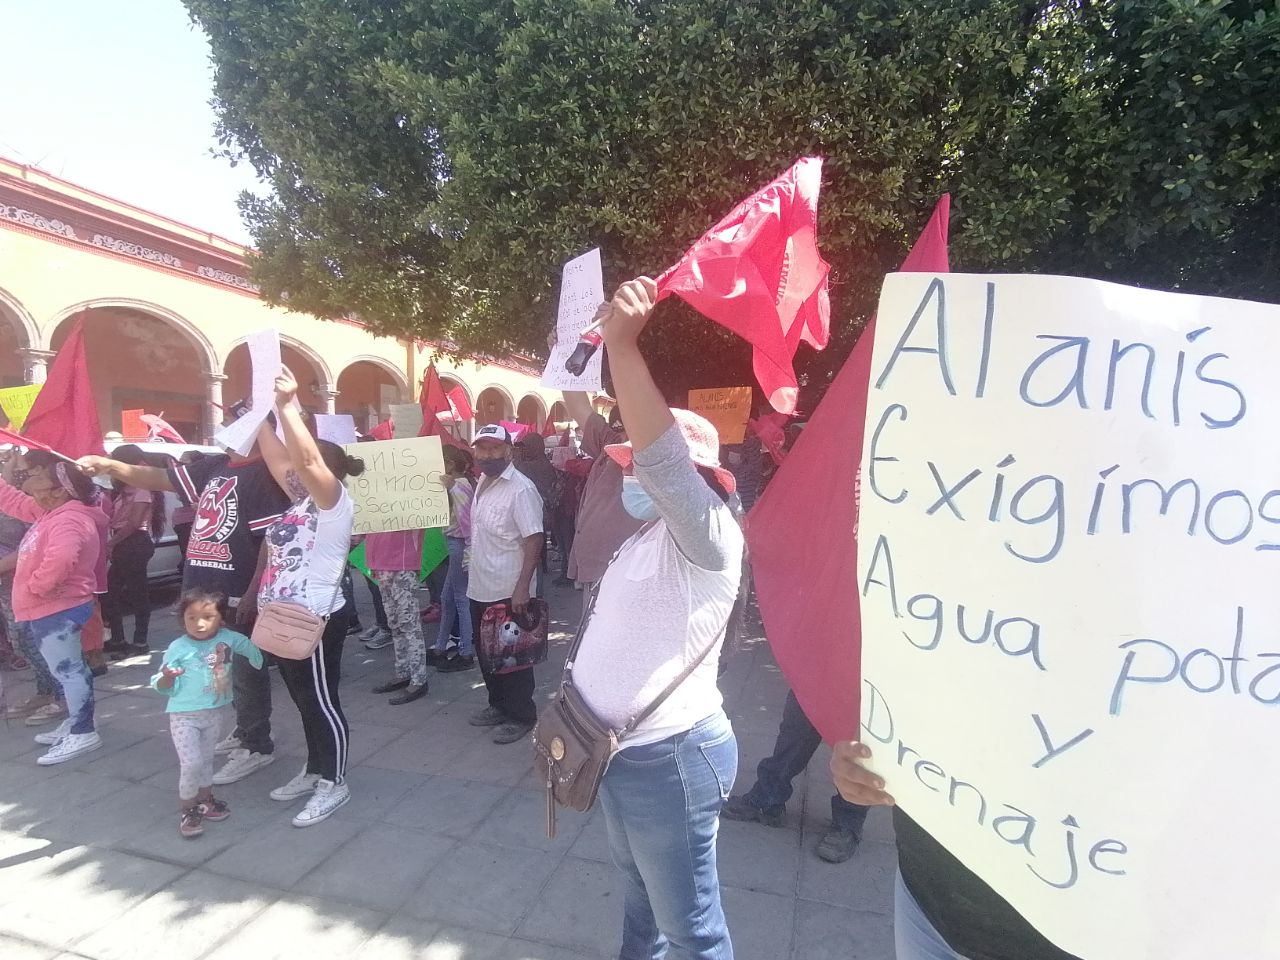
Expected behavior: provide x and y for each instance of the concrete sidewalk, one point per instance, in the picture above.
(440, 854)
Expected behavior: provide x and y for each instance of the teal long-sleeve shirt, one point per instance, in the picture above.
(205, 682)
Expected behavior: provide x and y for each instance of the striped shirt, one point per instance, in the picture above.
(506, 509)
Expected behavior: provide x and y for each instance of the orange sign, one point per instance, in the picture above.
(728, 409)
(131, 425)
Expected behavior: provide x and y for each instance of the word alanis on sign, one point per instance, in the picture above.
(1068, 550)
(401, 487)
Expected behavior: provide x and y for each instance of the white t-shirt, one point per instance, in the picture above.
(307, 555)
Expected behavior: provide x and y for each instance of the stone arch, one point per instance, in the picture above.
(312, 369)
(144, 356)
(390, 368)
(494, 403)
(532, 411)
(203, 347)
(18, 333)
(360, 390)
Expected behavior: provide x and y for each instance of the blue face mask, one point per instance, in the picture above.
(493, 467)
(636, 501)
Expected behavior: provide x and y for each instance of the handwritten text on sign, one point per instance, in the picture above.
(728, 409)
(581, 293)
(400, 487)
(1068, 551)
(17, 403)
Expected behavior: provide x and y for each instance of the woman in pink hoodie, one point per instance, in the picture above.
(54, 584)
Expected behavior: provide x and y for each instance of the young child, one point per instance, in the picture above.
(195, 674)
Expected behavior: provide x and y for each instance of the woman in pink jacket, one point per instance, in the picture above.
(54, 584)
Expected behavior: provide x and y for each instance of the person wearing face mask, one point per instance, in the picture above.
(653, 635)
(506, 545)
(54, 583)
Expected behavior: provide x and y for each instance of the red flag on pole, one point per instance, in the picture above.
(758, 273)
(434, 400)
(65, 414)
(805, 560)
(383, 431)
(17, 439)
(461, 405)
(549, 428)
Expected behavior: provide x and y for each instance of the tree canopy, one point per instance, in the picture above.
(432, 163)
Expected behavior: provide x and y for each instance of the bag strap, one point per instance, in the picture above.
(684, 674)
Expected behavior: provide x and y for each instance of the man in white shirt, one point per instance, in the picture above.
(506, 545)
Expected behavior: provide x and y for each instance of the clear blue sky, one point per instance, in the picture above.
(113, 94)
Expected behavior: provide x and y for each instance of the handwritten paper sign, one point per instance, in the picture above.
(1068, 553)
(264, 355)
(728, 409)
(132, 426)
(406, 418)
(400, 488)
(339, 428)
(581, 293)
(17, 402)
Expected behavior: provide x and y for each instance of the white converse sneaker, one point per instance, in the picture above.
(301, 785)
(227, 744)
(70, 747)
(328, 797)
(240, 764)
(50, 737)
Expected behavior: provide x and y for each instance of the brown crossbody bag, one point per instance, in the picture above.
(575, 746)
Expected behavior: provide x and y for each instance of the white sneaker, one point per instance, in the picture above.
(241, 764)
(301, 785)
(379, 640)
(50, 711)
(58, 733)
(70, 747)
(328, 797)
(227, 744)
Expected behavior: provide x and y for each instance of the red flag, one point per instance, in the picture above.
(549, 428)
(564, 438)
(434, 400)
(460, 404)
(383, 431)
(758, 273)
(803, 533)
(770, 429)
(65, 414)
(17, 439)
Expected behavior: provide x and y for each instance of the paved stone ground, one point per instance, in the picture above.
(440, 855)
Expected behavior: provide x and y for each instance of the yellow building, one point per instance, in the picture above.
(167, 309)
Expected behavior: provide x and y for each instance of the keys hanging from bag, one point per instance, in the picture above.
(574, 745)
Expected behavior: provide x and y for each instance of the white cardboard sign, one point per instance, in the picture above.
(400, 488)
(264, 355)
(1068, 555)
(339, 428)
(581, 293)
(406, 420)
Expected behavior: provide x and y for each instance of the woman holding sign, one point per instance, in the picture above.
(307, 557)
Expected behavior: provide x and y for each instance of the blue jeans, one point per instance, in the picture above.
(454, 605)
(914, 936)
(662, 804)
(797, 742)
(58, 636)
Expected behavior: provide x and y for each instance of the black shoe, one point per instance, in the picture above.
(456, 665)
(140, 650)
(115, 646)
(511, 732)
(391, 686)
(435, 657)
(740, 808)
(837, 845)
(411, 693)
(353, 628)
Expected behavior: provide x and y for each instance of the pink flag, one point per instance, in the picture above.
(758, 273)
(157, 427)
(65, 414)
(770, 429)
(803, 533)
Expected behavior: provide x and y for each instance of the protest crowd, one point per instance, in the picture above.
(669, 530)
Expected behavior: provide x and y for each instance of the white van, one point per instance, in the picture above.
(165, 567)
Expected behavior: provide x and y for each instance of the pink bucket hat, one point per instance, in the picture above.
(701, 439)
